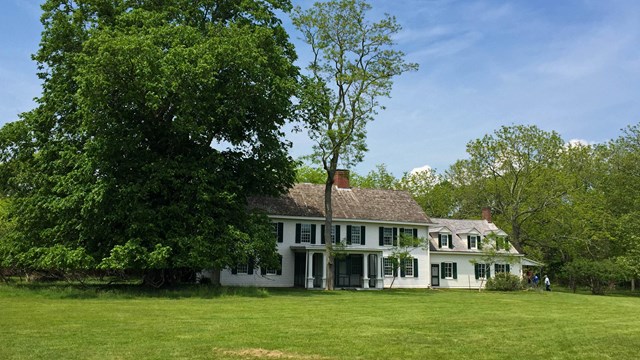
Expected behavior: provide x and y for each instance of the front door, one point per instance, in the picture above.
(349, 271)
(435, 275)
(300, 266)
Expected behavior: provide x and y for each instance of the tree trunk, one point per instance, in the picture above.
(328, 222)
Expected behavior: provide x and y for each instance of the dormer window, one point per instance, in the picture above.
(474, 241)
(446, 241)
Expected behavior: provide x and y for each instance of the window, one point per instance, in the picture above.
(448, 270)
(502, 268)
(272, 271)
(333, 234)
(355, 235)
(388, 266)
(243, 268)
(408, 267)
(408, 232)
(482, 271)
(474, 240)
(388, 236)
(278, 229)
(444, 240)
(305, 233)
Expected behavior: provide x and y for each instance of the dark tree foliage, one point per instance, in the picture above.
(156, 121)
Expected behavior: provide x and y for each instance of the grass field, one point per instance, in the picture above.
(59, 323)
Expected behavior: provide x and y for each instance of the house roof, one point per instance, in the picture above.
(307, 200)
(459, 228)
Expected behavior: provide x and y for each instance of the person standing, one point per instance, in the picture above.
(547, 283)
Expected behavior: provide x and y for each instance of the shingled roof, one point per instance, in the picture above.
(461, 228)
(307, 200)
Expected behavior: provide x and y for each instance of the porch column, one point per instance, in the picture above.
(380, 277)
(310, 270)
(365, 274)
(324, 270)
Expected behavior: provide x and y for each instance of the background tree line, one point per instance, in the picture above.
(574, 206)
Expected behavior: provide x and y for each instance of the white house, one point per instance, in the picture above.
(368, 222)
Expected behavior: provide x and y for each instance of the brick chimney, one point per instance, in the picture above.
(486, 214)
(341, 179)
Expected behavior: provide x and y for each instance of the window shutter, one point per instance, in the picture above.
(234, 270)
(298, 229)
(450, 241)
(439, 240)
(313, 233)
(495, 268)
(279, 271)
(455, 270)
(250, 265)
(442, 270)
(322, 234)
(348, 234)
(381, 236)
(263, 270)
(476, 267)
(469, 245)
(479, 242)
(401, 230)
(395, 270)
(402, 268)
(415, 233)
(338, 238)
(395, 236)
(415, 267)
(506, 244)
(362, 238)
(280, 232)
(487, 268)
(508, 270)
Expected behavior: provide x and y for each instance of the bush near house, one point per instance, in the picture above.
(504, 281)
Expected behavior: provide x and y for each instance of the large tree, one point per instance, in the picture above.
(157, 119)
(352, 67)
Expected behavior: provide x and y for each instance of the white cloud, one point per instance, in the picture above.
(420, 169)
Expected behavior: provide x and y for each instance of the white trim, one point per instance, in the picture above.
(348, 221)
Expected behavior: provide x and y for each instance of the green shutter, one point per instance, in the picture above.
(442, 270)
(508, 270)
(322, 234)
(348, 234)
(402, 268)
(455, 270)
(313, 233)
(479, 242)
(362, 232)
(381, 236)
(450, 241)
(476, 267)
(415, 267)
(298, 230)
(415, 233)
(395, 236)
(280, 232)
(506, 244)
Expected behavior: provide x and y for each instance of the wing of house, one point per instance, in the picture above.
(459, 256)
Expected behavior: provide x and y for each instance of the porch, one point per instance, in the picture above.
(354, 270)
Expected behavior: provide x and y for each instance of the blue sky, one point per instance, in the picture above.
(572, 66)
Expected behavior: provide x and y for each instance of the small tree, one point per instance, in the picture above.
(353, 64)
(494, 249)
(402, 253)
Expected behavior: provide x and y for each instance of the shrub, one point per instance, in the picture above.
(504, 282)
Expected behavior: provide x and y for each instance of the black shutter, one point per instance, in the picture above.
(495, 268)
(487, 268)
(298, 229)
(322, 234)
(479, 242)
(381, 236)
(250, 265)
(403, 265)
(234, 270)
(280, 232)
(442, 270)
(439, 240)
(313, 233)
(506, 244)
(395, 236)
(469, 245)
(338, 239)
(455, 270)
(508, 270)
(415, 267)
(279, 271)
(362, 232)
(263, 270)
(450, 241)
(401, 231)
(348, 234)
(476, 267)
(415, 233)
(395, 269)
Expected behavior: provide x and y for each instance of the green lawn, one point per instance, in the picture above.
(291, 324)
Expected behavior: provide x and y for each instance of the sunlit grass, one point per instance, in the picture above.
(204, 322)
